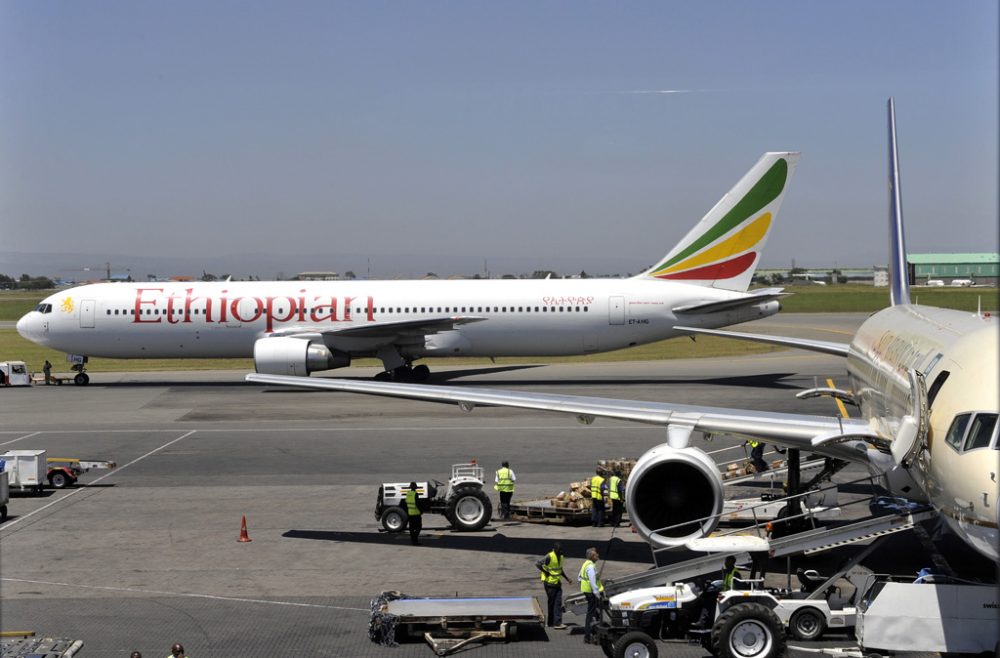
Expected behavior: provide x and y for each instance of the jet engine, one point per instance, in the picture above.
(285, 355)
(669, 487)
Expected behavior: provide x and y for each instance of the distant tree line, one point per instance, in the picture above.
(26, 282)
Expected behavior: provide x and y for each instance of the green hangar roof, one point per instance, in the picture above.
(953, 259)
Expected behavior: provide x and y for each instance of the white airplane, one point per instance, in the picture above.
(935, 443)
(297, 327)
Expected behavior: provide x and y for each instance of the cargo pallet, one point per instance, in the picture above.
(543, 511)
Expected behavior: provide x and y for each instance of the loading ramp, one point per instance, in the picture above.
(809, 541)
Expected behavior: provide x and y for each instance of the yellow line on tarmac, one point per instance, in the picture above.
(840, 404)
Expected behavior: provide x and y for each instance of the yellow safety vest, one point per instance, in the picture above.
(504, 482)
(727, 579)
(552, 571)
(613, 486)
(411, 503)
(753, 444)
(595, 487)
(585, 581)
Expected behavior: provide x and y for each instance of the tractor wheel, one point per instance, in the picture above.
(469, 509)
(748, 630)
(394, 519)
(636, 644)
(58, 480)
(807, 624)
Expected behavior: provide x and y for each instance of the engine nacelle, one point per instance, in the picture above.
(670, 486)
(284, 355)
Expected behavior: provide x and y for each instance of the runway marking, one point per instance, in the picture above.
(11, 524)
(136, 590)
(20, 438)
(840, 403)
(249, 430)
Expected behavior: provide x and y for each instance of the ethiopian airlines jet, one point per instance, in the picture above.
(924, 380)
(299, 327)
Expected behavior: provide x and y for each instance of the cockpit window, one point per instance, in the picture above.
(957, 431)
(44, 308)
(981, 431)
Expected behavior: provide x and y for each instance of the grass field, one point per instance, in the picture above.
(811, 299)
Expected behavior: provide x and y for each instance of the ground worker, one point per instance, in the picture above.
(47, 369)
(616, 493)
(757, 456)
(505, 480)
(710, 594)
(598, 490)
(551, 567)
(592, 589)
(413, 511)
(177, 651)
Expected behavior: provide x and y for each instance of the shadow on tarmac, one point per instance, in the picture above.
(615, 549)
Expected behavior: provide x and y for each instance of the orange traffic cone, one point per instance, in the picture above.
(244, 537)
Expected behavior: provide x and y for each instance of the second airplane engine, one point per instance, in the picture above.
(670, 486)
(283, 355)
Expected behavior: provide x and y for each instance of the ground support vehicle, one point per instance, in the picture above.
(26, 468)
(32, 469)
(941, 614)
(462, 500)
(4, 494)
(745, 623)
(14, 373)
(447, 624)
(65, 471)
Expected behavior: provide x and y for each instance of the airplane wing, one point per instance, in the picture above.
(420, 327)
(753, 297)
(824, 346)
(843, 438)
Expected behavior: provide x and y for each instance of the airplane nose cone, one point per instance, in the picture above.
(27, 328)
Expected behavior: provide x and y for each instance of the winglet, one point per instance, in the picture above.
(899, 273)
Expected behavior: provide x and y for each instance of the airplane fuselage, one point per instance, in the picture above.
(518, 317)
(957, 352)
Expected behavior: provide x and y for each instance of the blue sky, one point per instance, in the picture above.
(471, 131)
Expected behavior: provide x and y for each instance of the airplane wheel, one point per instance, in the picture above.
(383, 377)
(81, 379)
(420, 373)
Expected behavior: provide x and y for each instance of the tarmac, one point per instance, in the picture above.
(147, 554)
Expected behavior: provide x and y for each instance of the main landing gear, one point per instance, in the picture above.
(405, 373)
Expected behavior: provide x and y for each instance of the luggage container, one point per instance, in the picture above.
(27, 469)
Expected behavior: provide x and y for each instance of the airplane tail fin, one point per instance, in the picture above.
(899, 272)
(724, 248)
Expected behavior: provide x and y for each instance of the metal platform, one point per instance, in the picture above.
(41, 647)
(447, 625)
(814, 540)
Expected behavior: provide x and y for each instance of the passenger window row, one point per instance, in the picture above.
(383, 310)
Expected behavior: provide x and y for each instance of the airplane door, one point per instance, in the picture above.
(87, 307)
(616, 310)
